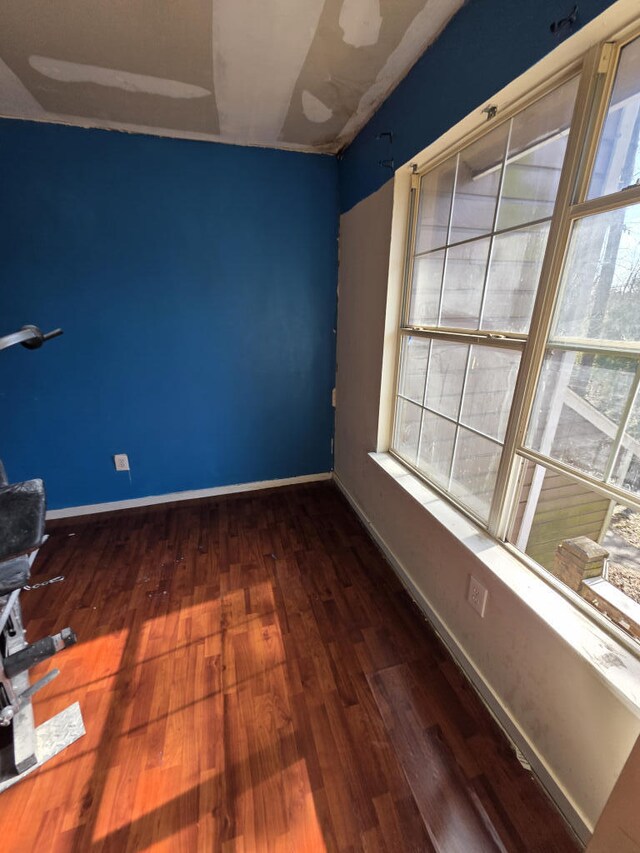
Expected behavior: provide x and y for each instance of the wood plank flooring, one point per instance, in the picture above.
(253, 678)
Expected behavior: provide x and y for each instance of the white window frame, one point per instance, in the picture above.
(597, 68)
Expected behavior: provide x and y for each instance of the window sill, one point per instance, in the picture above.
(613, 662)
(608, 598)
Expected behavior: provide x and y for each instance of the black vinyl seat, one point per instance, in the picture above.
(22, 520)
(14, 574)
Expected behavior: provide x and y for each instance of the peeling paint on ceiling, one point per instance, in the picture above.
(314, 109)
(77, 72)
(360, 22)
(301, 74)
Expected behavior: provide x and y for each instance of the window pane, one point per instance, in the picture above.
(425, 289)
(600, 292)
(580, 400)
(407, 430)
(475, 467)
(552, 508)
(413, 367)
(436, 191)
(622, 541)
(446, 377)
(536, 152)
(554, 513)
(489, 388)
(463, 284)
(516, 262)
(436, 448)
(477, 184)
(626, 471)
(618, 159)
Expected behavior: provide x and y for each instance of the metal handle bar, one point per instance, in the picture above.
(30, 337)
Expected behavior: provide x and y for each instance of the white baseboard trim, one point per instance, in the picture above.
(501, 715)
(194, 494)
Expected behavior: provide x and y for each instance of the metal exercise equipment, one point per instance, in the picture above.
(23, 747)
(29, 336)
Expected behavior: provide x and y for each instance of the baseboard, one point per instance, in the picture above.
(194, 494)
(492, 702)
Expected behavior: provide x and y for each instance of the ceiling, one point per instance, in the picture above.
(301, 74)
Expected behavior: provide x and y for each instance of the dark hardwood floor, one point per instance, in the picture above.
(253, 678)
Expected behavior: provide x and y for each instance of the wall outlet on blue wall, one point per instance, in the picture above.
(121, 462)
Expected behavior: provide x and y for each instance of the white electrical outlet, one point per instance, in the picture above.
(477, 595)
(121, 462)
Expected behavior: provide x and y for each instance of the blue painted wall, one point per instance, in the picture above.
(196, 282)
(196, 285)
(487, 45)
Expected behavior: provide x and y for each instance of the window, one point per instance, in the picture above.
(519, 365)
(481, 230)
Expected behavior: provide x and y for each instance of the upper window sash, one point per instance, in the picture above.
(480, 221)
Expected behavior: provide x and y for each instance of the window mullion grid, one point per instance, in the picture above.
(412, 227)
(622, 427)
(603, 204)
(422, 411)
(583, 133)
(458, 416)
(461, 423)
(503, 503)
(578, 207)
(497, 233)
(452, 420)
(494, 224)
(396, 407)
(453, 196)
(419, 436)
(426, 378)
(446, 249)
(607, 490)
(575, 213)
(409, 260)
(597, 347)
(423, 404)
(432, 484)
(462, 336)
(482, 302)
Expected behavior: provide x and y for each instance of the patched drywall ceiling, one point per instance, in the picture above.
(302, 74)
